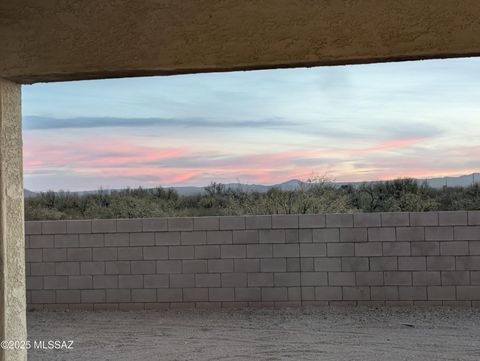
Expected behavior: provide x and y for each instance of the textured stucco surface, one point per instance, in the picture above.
(12, 254)
(50, 40)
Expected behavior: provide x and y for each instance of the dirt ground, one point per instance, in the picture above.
(262, 334)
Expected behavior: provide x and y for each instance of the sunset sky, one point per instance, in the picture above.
(349, 123)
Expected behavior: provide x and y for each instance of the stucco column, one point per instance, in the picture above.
(12, 243)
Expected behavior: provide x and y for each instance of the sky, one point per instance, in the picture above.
(345, 123)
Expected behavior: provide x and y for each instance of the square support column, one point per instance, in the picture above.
(12, 241)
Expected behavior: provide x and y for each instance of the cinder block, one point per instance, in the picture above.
(67, 296)
(396, 248)
(425, 248)
(221, 294)
(474, 247)
(339, 220)
(118, 295)
(54, 255)
(341, 278)
(352, 234)
(219, 237)
(105, 281)
(327, 264)
(130, 281)
(234, 279)
(291, 236)
(455, 278)
(293, 265)
(260, 279)
(259, 250)
(143, 267)
(105, 254)
(369, 278)
(245, 237)
(355, 293)
(33, 227)
(41, 241)
(182, 280)
(169, 295)
(289, 279)
(129, 225)
(232, 223)
(328, 293)
(247, 265)
(104, 225)
(207, 252)
(258, 222)
(233, 251)
(167, 238)
(474, 218)
(384, 293)
(366, 220)
(155, 281)
(284, 221)
(79, 254)
(410, 233)
(181, 252)
(368, 249)
(384, 234)
(467, 263)
(92, 296)
(193, 238)
(142, 239)
(440, 263)
(292, 250)
(339, 250)
(195, 294)
(43, 296)
(33, 255)
(130, 253)
(273, 265)
(91, 240)
(274, 294)
(308, 293)
(144, 295)
(453, 218)
(154, 224)
(79, 226)
(312, 250)
(92, 268)
(424, 219)
(305, 236)
(194, 266)
(412, 263)
(429, 278)
(415, 293)
(220, 265)
(155, 253)
(468, 293)
(350, 264)
(326, 235)
(444, 233)
(395, 219)
(54, 227)
(80, 282)
(55, 282)
(180, 224)
(394, 278)
(247, 294)
(455, 248)
(383, 264)
(207, 280)
(307, 265)
(65, 240)
(311, 220)
(271, 236)
(467, 233)
(313, 279)
(294, 294)
(169, 266)
(441, 293)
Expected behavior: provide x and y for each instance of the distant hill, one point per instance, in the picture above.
(460, 181)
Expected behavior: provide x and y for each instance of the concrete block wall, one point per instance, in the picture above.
(430, 258)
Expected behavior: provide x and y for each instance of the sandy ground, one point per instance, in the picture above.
(309, 334)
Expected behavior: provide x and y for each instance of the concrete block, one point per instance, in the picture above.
(311, 221)
(105, 281)
(294, 294)
(142, 239)
(308, 293)
(384, 293)
(467, 233)
(207, 252)
(293, 265)
(326, 235)
(207, 280)
(221, 294)
(425, 248)
(182, 280)
(194, 266)
(305, 236)
(80, 282)
(368, 249)
(79, 226)
(105, 254)
(339, 220)
(440, 263)
(312, 250)
(154, 225)
(444, 233)
(233, 251)
(129, 225)
(91, 240)
(33, 255)
(65, 240)
(328, 293)
(429, 278)
(327, 264)
(369, 278)
(68, 296)
(353, 234)
(118, 295)
(385, 234)
(92, 296)
(260, 279)
(232, 223)
(156, 281)
(274, 294)
(339, 250)
(54, 227)
(247, 294)
(473, 218)
(193, 238)
(33, 227)
(412, 263)
(441, 293)
(423, 219)
(219, 237)
(104, 225)
(234, 279)
(410, 233)
(350, 264)
(273, 265)
(130, 253)
(43, 296)
(341, 278)
(167, 238)
(412, 293)
(466, 263)
(284, 221)
(41, 241)
(79, 254)
(271, 236)
(313, 279)
(468, 293)
(169, 295)
(383, 264)
(474, 248)
(144, 295)
(180, 224)
(395, 219)
(291, 236)
(129, 281)
(258, 222)
(55, 282)
(454, 248)
(393, 278)
(366, 220)
(396, 248)
(306, 264)
(92, 268)
(259, 250)
(293, 250)
(289, 279)
(155, 253)
(169, 266)
(195, 294)
(356, 293)
(220, 265)
(54, 254)
(143, 267)
(247, 265)
(455, 278)
(453, 218)
(245, 237)
(181, 252)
